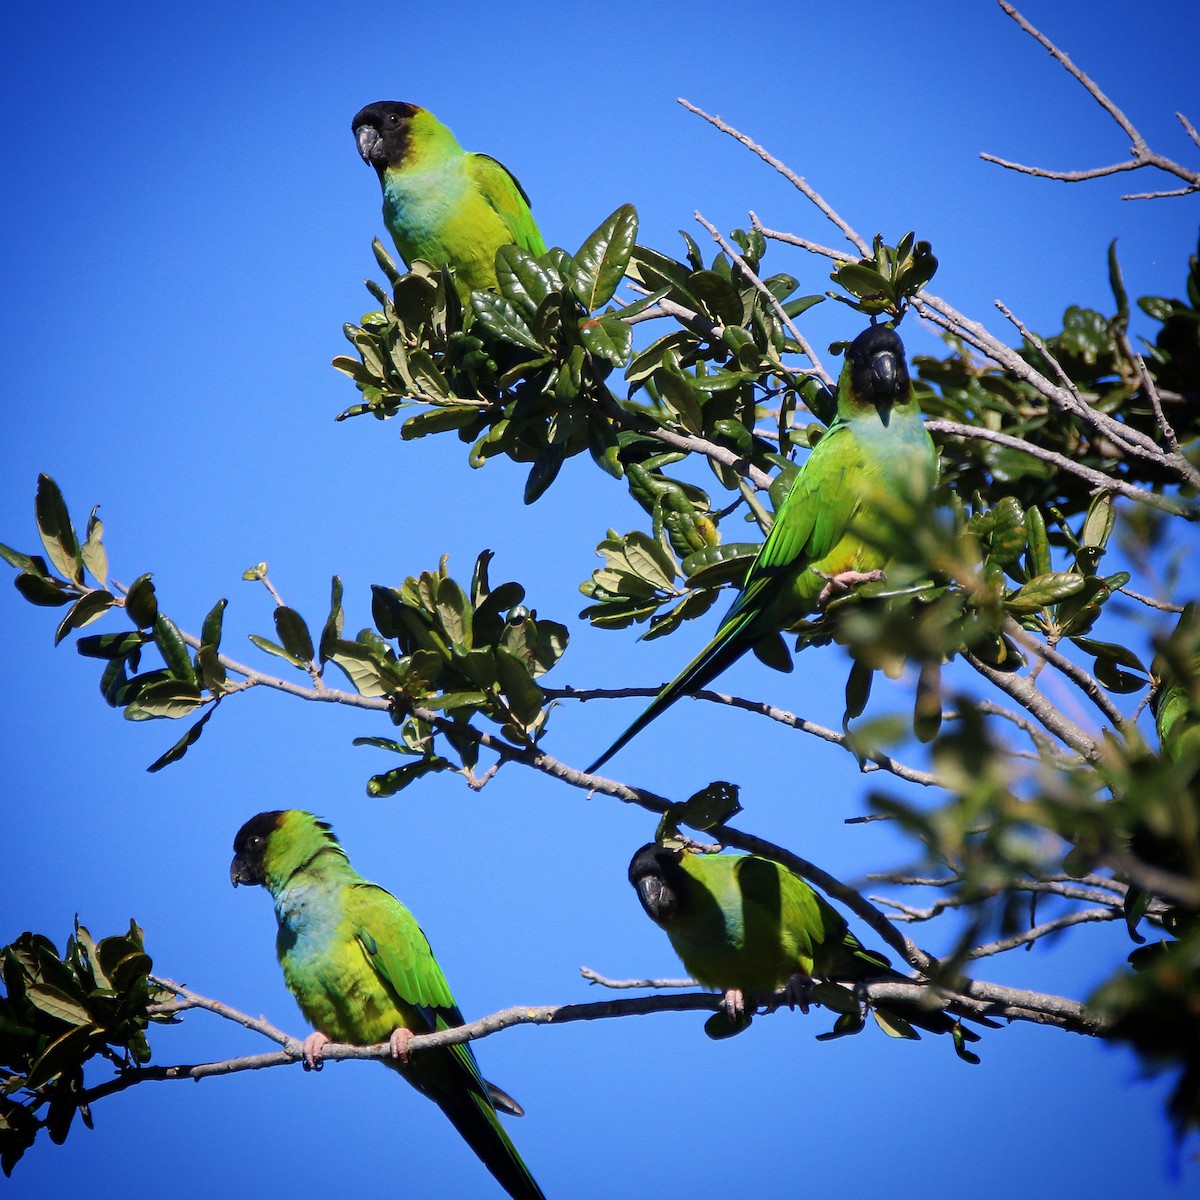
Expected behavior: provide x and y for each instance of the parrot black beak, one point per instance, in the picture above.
(369, 143)
(241, 870)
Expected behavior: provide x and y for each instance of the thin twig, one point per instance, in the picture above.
(1040, 931)
(622, 984)
(1151, 602)
(1097, 479)
(1089, 686)
(1021, 689)
(795, 180)
(872, 761)
(1140, 152)
(772, 299)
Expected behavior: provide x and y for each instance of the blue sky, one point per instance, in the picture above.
(186, 227)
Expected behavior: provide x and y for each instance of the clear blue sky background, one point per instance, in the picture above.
(185, 227)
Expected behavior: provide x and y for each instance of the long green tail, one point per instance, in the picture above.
(476, 1120)
(729, 644)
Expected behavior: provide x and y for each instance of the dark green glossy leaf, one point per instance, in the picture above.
(393, 781)
(172, 647)
(499, 317)
(293, 633)
(1044, 591)
(170, 698)
(269, 647)
(85, 610)
(181, 747)
(111, 645)
(95, 559)
(599, 264)
(141, 605)
(210, 631)
(56, 531)
(40, 591)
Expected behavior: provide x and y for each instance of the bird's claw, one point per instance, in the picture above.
(313, 1045)
(843, 581)
(733, 1005)
(400, 1042)
(798, 991)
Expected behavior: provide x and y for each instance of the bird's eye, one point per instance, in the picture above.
(393, 119)
(255, 842)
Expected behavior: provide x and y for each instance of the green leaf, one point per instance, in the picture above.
(599, 265)
(58, 1004)
(56, 531)
(522, 279)
(498, 316)
(174, 650)
(270, 647)
(140, 603)
(544, 471)
(210, 631)
(393, 781)
(1037, 543)
(111, 645)
(895, 1026)
(525, 698)
(181, 747)
(359, 666)
(334, 623)
(42, 592)
(171, 698)
(711, 807)
(85, 610)
(92, 552)
(62, 1055)
(1044, 591)
(293, 633)
(608, 337)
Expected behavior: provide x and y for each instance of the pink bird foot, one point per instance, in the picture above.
(843, 581)
(733, 1004)
(399, 1041)
(313, 1045)
(798, 991)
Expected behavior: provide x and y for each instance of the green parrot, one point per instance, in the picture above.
(744, 924)
(440, 203)
(362, 972)
(876, 461)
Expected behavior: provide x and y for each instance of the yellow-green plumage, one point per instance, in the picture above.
(360, 968)
(440, 203)
(745, 924)
(874, 468)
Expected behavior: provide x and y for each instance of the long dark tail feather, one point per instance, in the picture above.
(476, 1120)
(723, 651)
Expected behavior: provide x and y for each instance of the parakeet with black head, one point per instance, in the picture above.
(875, 465)
(363, 973)
(747, 925)
(440, 203)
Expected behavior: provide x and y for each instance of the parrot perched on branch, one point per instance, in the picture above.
(440, 203)
(745, 924)
(875, 465)
(363, 973)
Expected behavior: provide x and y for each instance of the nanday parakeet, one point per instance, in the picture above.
(744, 924)
(363, 973)
(440, 203)
(876, 463)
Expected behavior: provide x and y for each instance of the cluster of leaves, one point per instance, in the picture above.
(520, 372)
(459, 652)
(56, 1014)
(1093, 351)
(434, 645)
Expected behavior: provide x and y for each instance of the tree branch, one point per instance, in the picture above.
(809, 192)
(1141, 154)
(874, 761)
